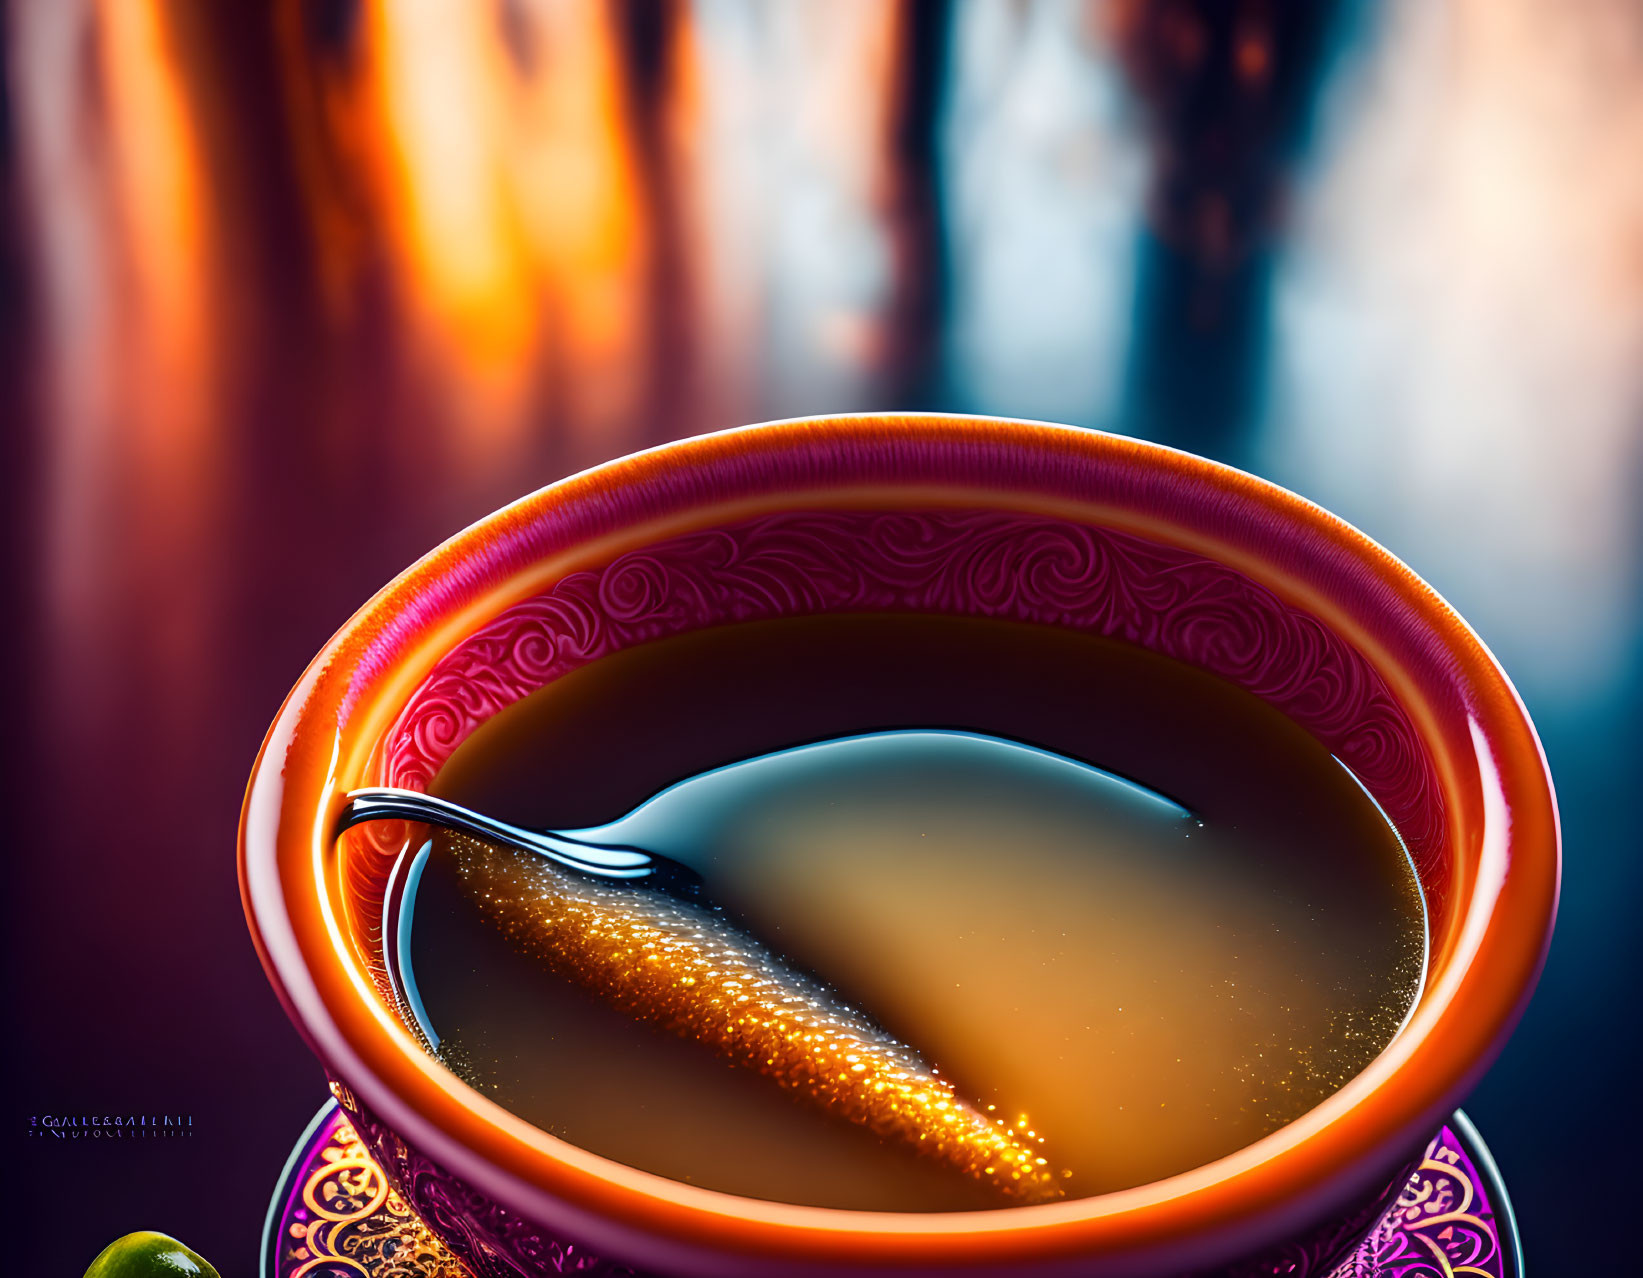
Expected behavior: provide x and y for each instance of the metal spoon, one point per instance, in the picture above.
(385, 803)
(655, 843)
(656, 839)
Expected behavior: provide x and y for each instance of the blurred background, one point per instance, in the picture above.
(293, 289)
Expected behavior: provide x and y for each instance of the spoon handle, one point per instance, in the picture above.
(385, 803)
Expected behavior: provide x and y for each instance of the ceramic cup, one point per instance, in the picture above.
(1038, 523)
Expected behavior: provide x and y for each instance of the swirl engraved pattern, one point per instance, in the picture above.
(982, 563)
(1436, 1221)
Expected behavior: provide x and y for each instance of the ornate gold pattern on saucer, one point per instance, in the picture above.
(334, 1216)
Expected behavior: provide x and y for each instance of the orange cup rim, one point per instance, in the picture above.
(1257, 1195)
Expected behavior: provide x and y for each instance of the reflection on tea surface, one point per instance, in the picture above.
(1125, 988)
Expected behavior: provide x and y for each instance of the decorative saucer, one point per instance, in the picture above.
(333, 1216)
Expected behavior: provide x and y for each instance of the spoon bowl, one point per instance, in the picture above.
(656, 840)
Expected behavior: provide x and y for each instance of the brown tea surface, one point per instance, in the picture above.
(1148, 993)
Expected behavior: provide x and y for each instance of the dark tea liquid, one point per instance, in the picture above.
(1147, 990)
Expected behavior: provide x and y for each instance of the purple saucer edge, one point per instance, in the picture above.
(333, 1216)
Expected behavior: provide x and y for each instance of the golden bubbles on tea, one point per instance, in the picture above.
(687, 968)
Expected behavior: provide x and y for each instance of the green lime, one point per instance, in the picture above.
(147, 1254)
